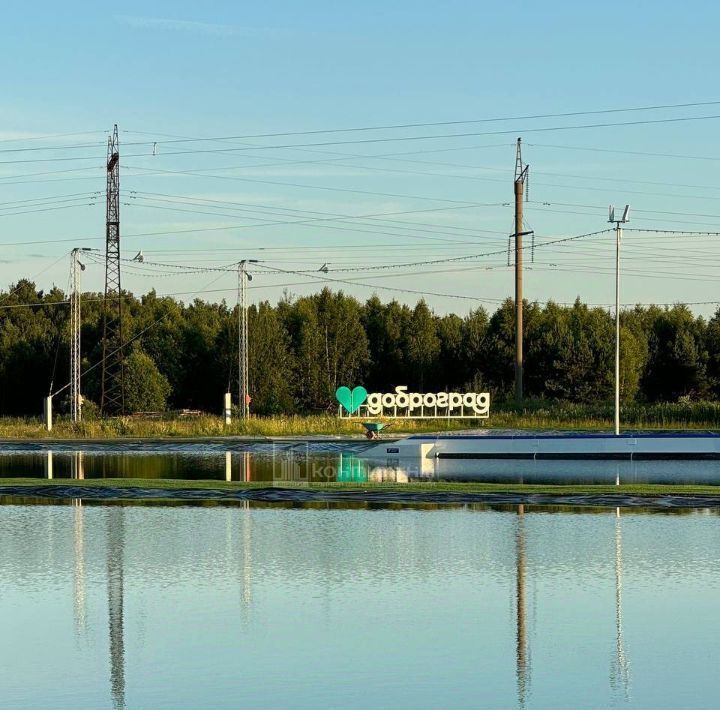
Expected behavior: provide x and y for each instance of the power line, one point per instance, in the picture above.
(468, 257)
(401, 126)
(365, 141)
(442, 136)
(625, 152)
(48, 137)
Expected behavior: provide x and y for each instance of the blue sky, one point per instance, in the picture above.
(222, 69)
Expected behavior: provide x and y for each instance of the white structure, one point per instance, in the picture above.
(553, 447)
(76, 268)
(618, 238)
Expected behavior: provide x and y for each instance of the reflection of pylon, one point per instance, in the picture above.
(115, 591)
(113, 386)
(79, 606)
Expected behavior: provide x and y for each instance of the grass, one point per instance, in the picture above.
(202, 426)
(534, 414)
(647, 490)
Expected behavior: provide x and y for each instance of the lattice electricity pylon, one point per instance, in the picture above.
(113, 382)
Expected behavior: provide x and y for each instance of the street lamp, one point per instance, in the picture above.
(243, 278)
(618, 237)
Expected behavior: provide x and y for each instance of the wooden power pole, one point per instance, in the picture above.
(521, 174)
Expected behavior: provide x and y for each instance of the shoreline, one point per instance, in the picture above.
(606, 496)
(210, 439)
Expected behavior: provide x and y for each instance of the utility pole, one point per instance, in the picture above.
(618, 238)
(521, 176)
(112, 399)
(243, 387)
(76, 268)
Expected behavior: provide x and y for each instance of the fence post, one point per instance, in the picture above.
(228, 408)
(48, 413)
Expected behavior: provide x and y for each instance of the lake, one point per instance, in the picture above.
(316, 462)
(136, 606)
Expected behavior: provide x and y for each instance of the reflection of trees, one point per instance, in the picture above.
(115, 545)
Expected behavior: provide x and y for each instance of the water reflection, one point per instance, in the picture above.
(115, 601)
(79, 596)
(620, 672)
(307, 463)
(247, 568)
(77, 465)
(522, 664)
(514, 604)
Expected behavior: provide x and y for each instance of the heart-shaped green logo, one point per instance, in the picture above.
(351, 400)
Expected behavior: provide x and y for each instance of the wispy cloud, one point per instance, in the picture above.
(189, 26)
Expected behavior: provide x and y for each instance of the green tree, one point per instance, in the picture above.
(422, 343)
(270, 362)
(146, 389)
(474, 349)
(677, 358)
(385, 326)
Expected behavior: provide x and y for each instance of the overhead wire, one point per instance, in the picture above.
(565, 114)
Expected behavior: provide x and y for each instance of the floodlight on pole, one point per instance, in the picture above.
(243, 379)
(76, 268)
(618, 238)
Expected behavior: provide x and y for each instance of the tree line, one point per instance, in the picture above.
(302, 349)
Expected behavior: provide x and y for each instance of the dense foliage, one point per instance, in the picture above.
(302, 349)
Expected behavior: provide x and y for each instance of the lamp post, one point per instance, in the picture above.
(243, 278)
(77, 267)
(618, 238)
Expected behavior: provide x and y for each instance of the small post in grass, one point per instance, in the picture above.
(228, 408)
(48, 414)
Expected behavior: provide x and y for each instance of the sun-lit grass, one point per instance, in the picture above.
(531, 415)
(634, 489)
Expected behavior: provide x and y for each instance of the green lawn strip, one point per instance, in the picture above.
(643, 490)
(534, 414)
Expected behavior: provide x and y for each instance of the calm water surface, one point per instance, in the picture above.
(226, 607)
(318, 462)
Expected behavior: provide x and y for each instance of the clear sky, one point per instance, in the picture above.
(230, 71)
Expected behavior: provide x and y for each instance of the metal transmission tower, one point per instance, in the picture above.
(521, 177)
(76, 268)
(113, 384)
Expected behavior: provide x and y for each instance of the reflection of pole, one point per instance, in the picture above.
(49, 465)
(79, 590)
(116, 542)
(77, 466)
(247, 561)
(621, 667)
(521, 636)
